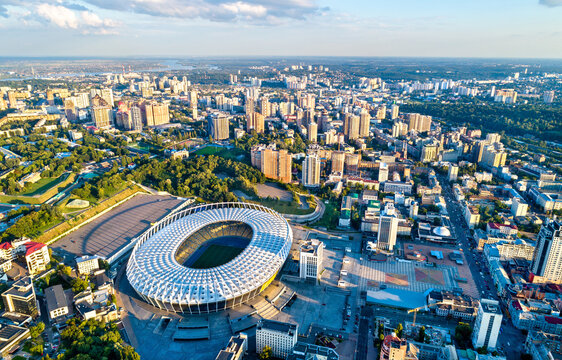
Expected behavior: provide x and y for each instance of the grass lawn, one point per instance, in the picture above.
(331, 216)
(232, 154)
(216, 255)
(43, 185)
(284, 207)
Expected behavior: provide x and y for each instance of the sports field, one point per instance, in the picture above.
(216, 255)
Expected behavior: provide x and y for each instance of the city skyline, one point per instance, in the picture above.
(498, 29)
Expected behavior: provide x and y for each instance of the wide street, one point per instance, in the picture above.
(511, 339)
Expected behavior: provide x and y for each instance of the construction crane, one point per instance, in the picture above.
(415, 310)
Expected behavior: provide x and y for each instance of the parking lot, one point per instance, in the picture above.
(108, 233)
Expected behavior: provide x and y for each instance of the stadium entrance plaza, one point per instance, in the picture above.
(318, 308)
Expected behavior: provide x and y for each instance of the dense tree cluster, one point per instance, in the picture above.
(542, 121)
(92, 339)
(33, 223)
(198, 176)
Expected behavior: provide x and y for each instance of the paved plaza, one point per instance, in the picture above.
(406, 275)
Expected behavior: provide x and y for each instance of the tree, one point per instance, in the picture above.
(37, 330)
(399, 330)
(79, 285)
(463, 331)
(266, 353)
(421, 334)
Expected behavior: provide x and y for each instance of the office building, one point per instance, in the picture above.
(102, 116)
(218, 126)
(20, 298)
(453, 173)
(487, 324)
(547, 260)
(351, 126)
(420, 123)
(274, 164)
(388, 228)
(311, 171)
(57, 304)
(311, 253)
(280, 336)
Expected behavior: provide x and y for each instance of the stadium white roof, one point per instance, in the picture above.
(154, 272)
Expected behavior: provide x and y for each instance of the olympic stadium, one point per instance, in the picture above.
(209, 257)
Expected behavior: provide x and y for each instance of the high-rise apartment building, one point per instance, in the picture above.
(155, 113)
(383, 172)
(420, 123)
(453, 173)
(311, 171)
(312, 132)
(218, 126)
(388, 228)
(351, 126)
(102, 116)
(547, 260)
(548, 96)
(274, 164)
(136, 118)
(338, 161)
(394, 111)
(280, 336)
(364, 123)
(311, 253)
(256, 122)
(487, 324)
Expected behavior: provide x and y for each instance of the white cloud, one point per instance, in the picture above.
(551, 3)
(58, 15)
(260, 11)
(67, 18)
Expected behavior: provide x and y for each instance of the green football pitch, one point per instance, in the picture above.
(216, 255)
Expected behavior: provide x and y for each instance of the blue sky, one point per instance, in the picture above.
(441, 28)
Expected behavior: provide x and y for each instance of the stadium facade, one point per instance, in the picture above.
(173, 267)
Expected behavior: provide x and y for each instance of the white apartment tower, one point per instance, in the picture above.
(310, 259)
(311, 171)
(487, 324)
(388, 228)
(547, 261)
(453, 173)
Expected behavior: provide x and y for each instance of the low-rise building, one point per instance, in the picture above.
(86, 265)
(57, 304)
(305, 351)
(237, 346)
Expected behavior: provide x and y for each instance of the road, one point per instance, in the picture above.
(511, 339)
